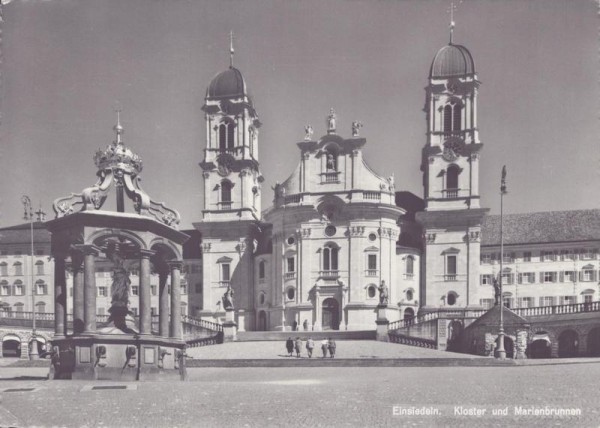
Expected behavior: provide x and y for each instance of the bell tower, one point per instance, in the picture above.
(450, 165)
(230, 167)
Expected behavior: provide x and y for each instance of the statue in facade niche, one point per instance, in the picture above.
(228, 298)
(331, 162)
(383, 294)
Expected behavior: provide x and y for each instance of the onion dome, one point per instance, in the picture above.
(230, 83)
(452, 61)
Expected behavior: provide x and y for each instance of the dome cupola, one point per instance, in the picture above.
(452, 61)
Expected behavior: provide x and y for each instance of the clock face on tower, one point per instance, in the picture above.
(224, 164)
(452, 149)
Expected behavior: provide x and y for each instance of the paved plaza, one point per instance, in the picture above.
(254, 397)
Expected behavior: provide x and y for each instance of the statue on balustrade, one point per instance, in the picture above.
(383, 294)
(228, 298)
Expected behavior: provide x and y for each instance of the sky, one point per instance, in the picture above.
(66, 65)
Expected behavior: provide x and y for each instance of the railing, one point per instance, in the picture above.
(450, 193)
(293, 199)
(289, 275)
(371, 272)
(329, 274)
(205, 341)
(224, 205)
(412, 341)
(213, 326)
(573, 308)
(372, 196)
(451, 277)
(331, 177)
(409, 276)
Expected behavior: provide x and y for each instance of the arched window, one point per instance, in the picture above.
(41, 288)
(456, 126)
(230, 136)
(452, 177)
(40, 267)
(448, 118)
(261, 269)
(226, 191)
(18, 268)
(40, 307)
(330, 258)
(410, 266)
(222, 137)
(451, 298)
(3, 269)
(371, 291)
(19, 288)
(261, 298)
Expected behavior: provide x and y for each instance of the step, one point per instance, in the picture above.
(256, 336)
(353, 362)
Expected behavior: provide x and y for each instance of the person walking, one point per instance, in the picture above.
(289, 344)
(324, 347)
(298, 346)
(310, 344)
(331, 347)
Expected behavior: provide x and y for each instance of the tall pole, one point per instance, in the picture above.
(501, 350)
(33, 352)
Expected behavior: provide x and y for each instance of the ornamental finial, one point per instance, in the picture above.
(451, 9)
(231, 50)
(118, 127)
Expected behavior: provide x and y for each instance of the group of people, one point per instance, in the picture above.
(327, 345)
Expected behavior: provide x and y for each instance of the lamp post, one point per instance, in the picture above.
(501, 350)
(28, 215)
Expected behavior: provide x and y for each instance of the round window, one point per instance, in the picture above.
(451, 299)
(371, 291)
(291, 293)
(330, 230)
(409, 295)
(372, 237)
(291, 240)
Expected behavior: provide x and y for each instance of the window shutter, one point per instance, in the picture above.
(541, 301)
(561, 300)
(554, 276)
(520, 278)
(562, 276)
(542, 277)
(580, 275)
(594, 277)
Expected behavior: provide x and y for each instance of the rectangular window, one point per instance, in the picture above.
(196, 269)
(569, 300)
(135, 290)
(291, 265)
(526, 302)
(486, 279)
(451, 265)
(101, 311)
(199, 288)
(4, 269)
(102, 291)
(507, 278)
(372, 262)
(183, 288)
(18, 269)
(526, 278)
(588, 298)
(508, 257)
(527, 256)
(546, 301)
(41, 289)
(19, 290)
(5, 290)
(588, 275)
(153, 290)
(153, 311)
(586, 254)
(135, 311)
(548, 276)
(547, 256)
(225, 275)
(508, 302)
(40, 268)
(486, 258)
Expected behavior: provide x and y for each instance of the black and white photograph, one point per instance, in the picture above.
(299, 213)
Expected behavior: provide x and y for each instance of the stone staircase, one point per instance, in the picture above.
(257, 336)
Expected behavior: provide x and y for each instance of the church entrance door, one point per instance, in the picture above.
(331, 314)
